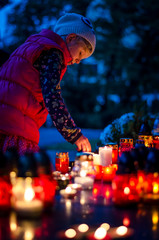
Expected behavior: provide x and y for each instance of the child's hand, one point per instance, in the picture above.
(83, 144)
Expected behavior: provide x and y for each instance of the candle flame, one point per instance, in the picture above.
(126, 190)
(29, 194)
(155, 188)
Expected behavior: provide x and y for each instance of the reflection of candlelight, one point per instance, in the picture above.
(155, 219)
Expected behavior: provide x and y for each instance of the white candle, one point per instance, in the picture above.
(68, 192)
(86, 182)
(105, 154)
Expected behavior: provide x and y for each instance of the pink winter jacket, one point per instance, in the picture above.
(22, 108)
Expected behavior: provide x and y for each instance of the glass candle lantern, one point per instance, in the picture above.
(124, 184)
(109, 173)
(151, 186)
(125, 191)
(62, 162)
(146, 135)
(83, 171)
(126, 145)
(27, 193)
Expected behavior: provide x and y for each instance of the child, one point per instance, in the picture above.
(30, 84)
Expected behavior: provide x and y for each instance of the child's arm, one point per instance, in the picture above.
(49, 64)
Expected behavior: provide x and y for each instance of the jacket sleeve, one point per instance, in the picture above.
(49, 65)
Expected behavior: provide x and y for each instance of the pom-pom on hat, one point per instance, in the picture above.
(78, 24)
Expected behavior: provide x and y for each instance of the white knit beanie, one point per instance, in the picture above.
(76, 23)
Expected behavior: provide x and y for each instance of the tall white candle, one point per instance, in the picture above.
(105, 154)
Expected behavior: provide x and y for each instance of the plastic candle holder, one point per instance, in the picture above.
(108, 173)
(151, 188)
(126, 145)
(125, 190)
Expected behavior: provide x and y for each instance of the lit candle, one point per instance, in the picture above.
(24, 198)
(68, 192)
(105, 154)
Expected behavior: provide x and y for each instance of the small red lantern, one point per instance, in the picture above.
(109, 173)
(125, 191)
(126, 145)
(62, 162)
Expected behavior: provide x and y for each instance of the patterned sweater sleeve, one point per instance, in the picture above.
(49, 65)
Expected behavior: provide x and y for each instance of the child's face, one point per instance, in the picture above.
(77, 48)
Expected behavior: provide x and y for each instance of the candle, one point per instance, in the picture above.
(68, 192)
(125, 189)
(105, 154)
(62, 162)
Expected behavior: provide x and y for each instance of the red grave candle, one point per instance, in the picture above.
(62, 162)
(125, 191)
